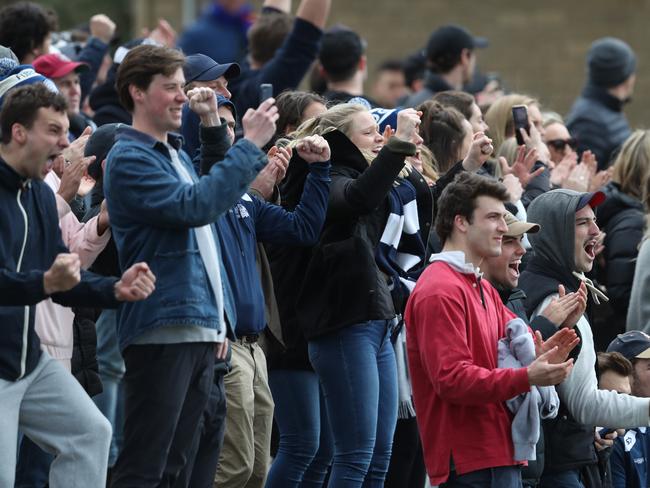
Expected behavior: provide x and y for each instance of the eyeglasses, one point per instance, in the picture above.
(560, 144)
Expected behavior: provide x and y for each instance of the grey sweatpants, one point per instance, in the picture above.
(52, 409)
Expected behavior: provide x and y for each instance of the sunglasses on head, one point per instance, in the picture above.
(560, 144)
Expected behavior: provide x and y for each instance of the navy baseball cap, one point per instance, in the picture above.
(199, 67)
(632, 344)
(592, 199)
(224, 102)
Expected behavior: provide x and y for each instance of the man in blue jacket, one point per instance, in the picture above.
(249, 414)
(37, 395)
(161, 211)
(629, 459)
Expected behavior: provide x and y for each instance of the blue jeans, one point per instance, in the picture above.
(562, 479)
(358, 375)
(111, 371)
(502, 477)
(305, 450)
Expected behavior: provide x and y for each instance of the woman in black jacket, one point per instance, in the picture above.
(344, 304)
(621, 218)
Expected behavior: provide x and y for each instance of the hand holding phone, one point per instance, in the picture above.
(520, 118)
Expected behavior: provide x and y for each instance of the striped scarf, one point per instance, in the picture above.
(400, 255)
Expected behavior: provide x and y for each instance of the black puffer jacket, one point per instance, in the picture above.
(597, 121)
(621, 217)
(343, 285)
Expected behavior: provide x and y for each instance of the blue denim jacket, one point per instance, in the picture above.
(152, 215)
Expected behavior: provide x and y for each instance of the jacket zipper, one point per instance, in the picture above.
(23, 354)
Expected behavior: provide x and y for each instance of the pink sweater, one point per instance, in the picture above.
(52, 321)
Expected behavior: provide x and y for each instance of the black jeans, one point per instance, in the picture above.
(502, 477)
(166, 391)
(208, 438)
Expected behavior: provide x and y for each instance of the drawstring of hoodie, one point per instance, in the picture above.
(596, 294)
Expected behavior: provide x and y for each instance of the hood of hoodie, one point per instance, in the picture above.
(615, 203)
(555, 212)
(553, 260)
(456, 260)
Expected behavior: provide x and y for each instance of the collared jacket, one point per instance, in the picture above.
(251, 220)
(629, 459)
(30, 240)
(153, 214)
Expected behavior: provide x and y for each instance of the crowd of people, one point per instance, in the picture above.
(212, 278)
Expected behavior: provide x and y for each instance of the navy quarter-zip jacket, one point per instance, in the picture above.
(30, 239)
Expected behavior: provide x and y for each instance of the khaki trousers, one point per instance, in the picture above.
(245, 456)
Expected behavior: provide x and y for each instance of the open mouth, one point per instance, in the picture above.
(513, 268)
(590, 249)
(50, 160)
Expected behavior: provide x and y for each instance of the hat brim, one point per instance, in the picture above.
(480, 42)
(519, 228)
(592, 199)
(644, 354)
(228, 70)
(68, 68)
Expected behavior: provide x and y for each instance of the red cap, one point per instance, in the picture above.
(57, 65)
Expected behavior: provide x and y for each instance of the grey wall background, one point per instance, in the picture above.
(537, 47)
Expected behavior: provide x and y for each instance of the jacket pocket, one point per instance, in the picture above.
(182, 278)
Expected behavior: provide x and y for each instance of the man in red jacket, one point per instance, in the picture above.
(454, 320)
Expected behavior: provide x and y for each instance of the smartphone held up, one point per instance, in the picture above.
(520, 117)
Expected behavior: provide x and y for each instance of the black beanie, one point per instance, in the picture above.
(610, 62)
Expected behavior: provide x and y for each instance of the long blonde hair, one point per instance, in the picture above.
(339, 117)
(499, 117)
(632, 166)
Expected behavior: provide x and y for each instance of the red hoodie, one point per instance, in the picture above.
(459, 394)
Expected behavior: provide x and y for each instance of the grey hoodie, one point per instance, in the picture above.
(555, 212)
(554, 249)
(517, 350)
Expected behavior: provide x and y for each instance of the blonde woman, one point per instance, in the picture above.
(499, 117)
(344, 304)
(621, 218)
